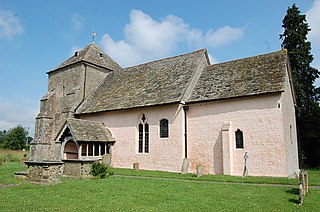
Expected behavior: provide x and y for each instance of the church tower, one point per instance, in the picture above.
(69, 85)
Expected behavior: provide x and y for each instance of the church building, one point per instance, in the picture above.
(172, 114)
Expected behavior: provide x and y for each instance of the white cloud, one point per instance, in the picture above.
(313, 19)
(223, 35)
(148, 39)
(77, 21)
(10, 24)
(12, 115)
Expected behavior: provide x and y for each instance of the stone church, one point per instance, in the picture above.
(171, 114)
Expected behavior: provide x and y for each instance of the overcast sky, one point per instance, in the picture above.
(37, 36)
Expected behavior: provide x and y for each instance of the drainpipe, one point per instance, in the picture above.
(185, 109)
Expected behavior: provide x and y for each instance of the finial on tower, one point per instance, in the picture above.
(93, 35)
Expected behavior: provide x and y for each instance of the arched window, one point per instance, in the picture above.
(143, 143)
(164, 128)
(239, 139)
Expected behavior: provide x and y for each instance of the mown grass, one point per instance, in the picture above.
(118, 193)
(15, 155)
(214, 178)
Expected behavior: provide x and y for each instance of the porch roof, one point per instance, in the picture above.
(87, 131)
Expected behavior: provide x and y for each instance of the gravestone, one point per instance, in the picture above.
(22, 160)
(106, 159)
(185, 166)
(199, 170)
(8, 158)
(136, 166)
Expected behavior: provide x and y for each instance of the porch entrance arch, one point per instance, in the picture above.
(70, 150)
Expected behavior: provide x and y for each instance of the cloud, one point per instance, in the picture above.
(147, 39)
(313, 19)
(10, 24)
(12, 115)
(223, 36)
(77, 21)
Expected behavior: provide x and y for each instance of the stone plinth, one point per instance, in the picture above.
(44, 171)
(77, 168)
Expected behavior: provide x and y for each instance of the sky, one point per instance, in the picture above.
(37, 36)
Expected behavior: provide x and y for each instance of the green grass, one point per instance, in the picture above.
(215, 178)
(16, 155)
(118, 193)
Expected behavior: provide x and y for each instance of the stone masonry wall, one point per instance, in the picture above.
(44, 172)
(67, 89)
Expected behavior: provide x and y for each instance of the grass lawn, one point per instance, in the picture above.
(118, 193)
(15, 155)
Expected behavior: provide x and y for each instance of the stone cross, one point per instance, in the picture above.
(245, 170)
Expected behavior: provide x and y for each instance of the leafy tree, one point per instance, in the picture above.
(294, 39)
(2, 137)
(15, 138)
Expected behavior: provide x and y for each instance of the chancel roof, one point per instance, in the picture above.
(244, 77)
(91, 54)
(154, 83)
(88, 131)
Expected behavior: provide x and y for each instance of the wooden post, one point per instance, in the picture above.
(306, 181)
(301, 194)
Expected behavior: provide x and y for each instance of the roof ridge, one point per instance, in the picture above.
(167, 58)
(86, 55)
(249, 57)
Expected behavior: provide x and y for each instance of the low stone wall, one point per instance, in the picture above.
(44, 171)
(77, 168)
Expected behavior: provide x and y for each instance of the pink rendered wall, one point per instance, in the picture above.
(264, 124)
(258, 117)
(289, 129)
(165, 154)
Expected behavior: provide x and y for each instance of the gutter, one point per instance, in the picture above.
(185, 109)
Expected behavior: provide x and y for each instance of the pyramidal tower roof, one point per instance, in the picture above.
(90, 54)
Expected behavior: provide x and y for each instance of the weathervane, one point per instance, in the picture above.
(93, 35)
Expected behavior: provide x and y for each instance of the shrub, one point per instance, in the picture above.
(100, 170)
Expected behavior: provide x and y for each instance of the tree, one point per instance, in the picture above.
(15, 138)
(2, 137)
(294, 39)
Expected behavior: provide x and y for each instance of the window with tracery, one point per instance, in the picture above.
(143, 143)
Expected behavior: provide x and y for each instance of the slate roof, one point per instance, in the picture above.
(244, 77)
(89, 131)
(154, 83)
(187, 77)
(91, 54)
